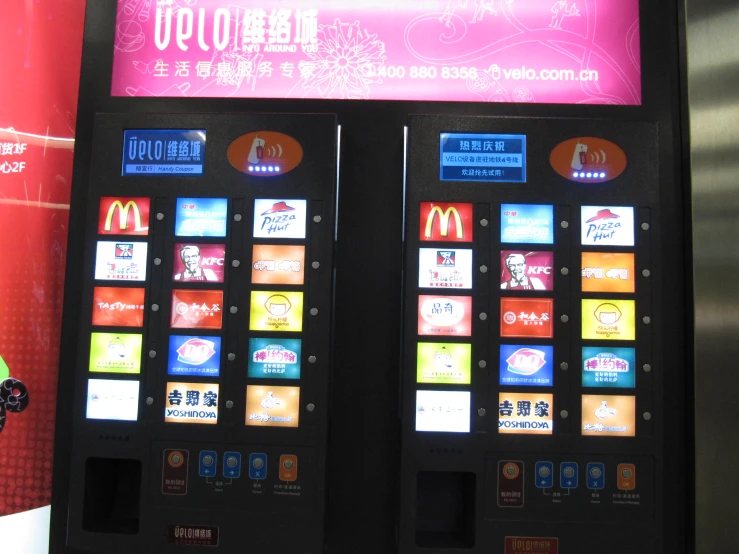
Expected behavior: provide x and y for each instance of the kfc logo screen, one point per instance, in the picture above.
(114, 400)
(199, 262)
(444, 363)
(279, 219)
(445, 268)
(443, 411)
(605, 272)
(197, 309)
(446, 222)
(272, 406)
(607, 226)
(526, 413)
(125, 261)
(194, 356)
(277, 265)
(609, 319)
(529, 366)
(527, 224)
(118, 307)
(274, 358)
(191, 403)
(522, 270)
(608, 416)
(276, 311)
(201, 217)
(605, 367)
(445, 315)
(124, 216)
(115, 353)
(526, 317)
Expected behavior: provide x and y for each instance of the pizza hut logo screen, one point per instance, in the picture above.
(197, 309)
(445, 268)
(124, 216)
(529, 366)
(523, 271)
(199, 356)
(526, 317)
(118, 307)
(124, 261)
(607, 225)
(445, 315)
(445, 222)
(199, 262)
(279, 219)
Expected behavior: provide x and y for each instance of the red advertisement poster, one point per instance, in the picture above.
(197, 309)
(526, 317)
(41, 45)
(118, 307)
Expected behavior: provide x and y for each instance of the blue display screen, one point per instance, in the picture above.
(526, 365)
(194, 356)
(201, 217)
(163, 152)
(483, 158)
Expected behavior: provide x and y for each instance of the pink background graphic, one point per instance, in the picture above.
(543, 51)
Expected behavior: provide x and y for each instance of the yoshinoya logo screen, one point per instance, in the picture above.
(279, 219)
(124, 216)
(443, 411)
(526, 413)
(197, 309)
(446, 222)
(272, 406)
(527, 224)
(199, 262)
(523, 365)
(444, 363)
(112, 399)
(118, 307)
(607, 226)
(524, 270)
(201, 217)
(604, 416)
(526, 317)
(608, 319)
(274, 358)
(123, 260)
(446, 268)
(191, 403)
(605, 367)
(276, 311)
(115, 353)
(445, 315)
(194, 356)
(163, 152)
(277, 264)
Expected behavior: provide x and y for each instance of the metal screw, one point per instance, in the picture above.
(314, 311)
(152, 354)
(231, 357)
(484, 222)
(149, 401)
(155, 307)
(236, 263)
(565, 271)
(483, 316)
(311, 359)
(160, 216)
(229, 404)
(646, 273)
(647, 416)
(481, 412)
(647, 320)
(317, 219)
(234, 309)
(564, 414)
(482, 364)
(565, 318)
(483, 269)
(564, 224)
(645, 226)
(647, 368)
(157, 261)
(564, 366)
(237, 217)
(315, 265)
(310, 407)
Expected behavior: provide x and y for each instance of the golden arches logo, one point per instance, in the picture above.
(444, 217)
(123, 216)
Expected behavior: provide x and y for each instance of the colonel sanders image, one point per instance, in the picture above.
(190, 256)
(516, 265)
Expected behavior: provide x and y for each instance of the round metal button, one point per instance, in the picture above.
(569, 472)
(232, 461)
(288, 464)
(544, 471)
(595, 473)
(511, 470)
(176, 459)
(258, 463)
(626, 473)
(207, 460)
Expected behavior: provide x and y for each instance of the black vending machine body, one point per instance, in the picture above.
(201, 375)
(542, 382)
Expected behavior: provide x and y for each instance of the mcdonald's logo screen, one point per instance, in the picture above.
(124, 216)
(446, 222)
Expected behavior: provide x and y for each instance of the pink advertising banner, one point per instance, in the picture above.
(542, 51)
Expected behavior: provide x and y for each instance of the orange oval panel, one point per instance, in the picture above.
(588, 160)
(265, 154)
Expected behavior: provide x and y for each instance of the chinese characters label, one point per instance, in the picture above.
(163, 152)
(274, 359)
(483, 158)
(191, 403)
(525, 413)
(608, 367)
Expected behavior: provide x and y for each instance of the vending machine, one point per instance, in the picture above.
(203, 334)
